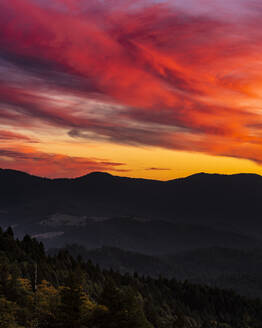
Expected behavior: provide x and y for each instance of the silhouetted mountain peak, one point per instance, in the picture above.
(96, 178)
(210, 196)
(107, 176)
(14, 175)
(9, 172)
(216, 175)
(213, 177)
(99, 174)
(96, 175)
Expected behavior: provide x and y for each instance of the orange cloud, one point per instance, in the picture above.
(12, 136)
(39, 163)
(133, 72)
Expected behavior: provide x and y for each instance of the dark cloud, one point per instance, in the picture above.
(157, 76)
(157, 169)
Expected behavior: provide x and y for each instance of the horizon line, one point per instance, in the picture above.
(127, 177)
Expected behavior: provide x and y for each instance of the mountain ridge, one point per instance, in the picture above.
(197, 195)
(106, 174)
(224, 205)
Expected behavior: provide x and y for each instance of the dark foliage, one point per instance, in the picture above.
(77, 294)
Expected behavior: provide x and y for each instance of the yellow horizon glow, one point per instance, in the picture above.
(139, 160)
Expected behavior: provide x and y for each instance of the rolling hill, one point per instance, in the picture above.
(148, 216)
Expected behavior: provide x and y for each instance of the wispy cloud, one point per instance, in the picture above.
(143, 73)
(40, 163)
(157, 169)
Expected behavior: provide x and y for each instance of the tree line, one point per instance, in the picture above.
(38, 290)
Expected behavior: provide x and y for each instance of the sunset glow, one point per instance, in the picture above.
(153, 89)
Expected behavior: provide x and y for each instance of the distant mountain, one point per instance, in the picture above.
(148, 216)
(211, 196)
(209, 224)
(240, 270)
(148, 237)
(120, 260)
(236, 269)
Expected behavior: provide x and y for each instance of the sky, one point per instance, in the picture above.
(139, 88)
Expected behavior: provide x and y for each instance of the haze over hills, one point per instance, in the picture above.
(236, 269)
(205, 228)
(149, 216)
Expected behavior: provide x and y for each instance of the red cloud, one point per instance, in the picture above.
(160, 77)
(11, 136)
(30, 160)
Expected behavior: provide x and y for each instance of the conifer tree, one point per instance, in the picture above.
(71, 301)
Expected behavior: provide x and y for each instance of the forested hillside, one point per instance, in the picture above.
(236, 269)
(37, 290)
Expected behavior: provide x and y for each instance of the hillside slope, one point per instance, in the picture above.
(70, 293)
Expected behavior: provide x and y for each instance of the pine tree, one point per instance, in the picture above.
(125, 309)
(71, 302)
